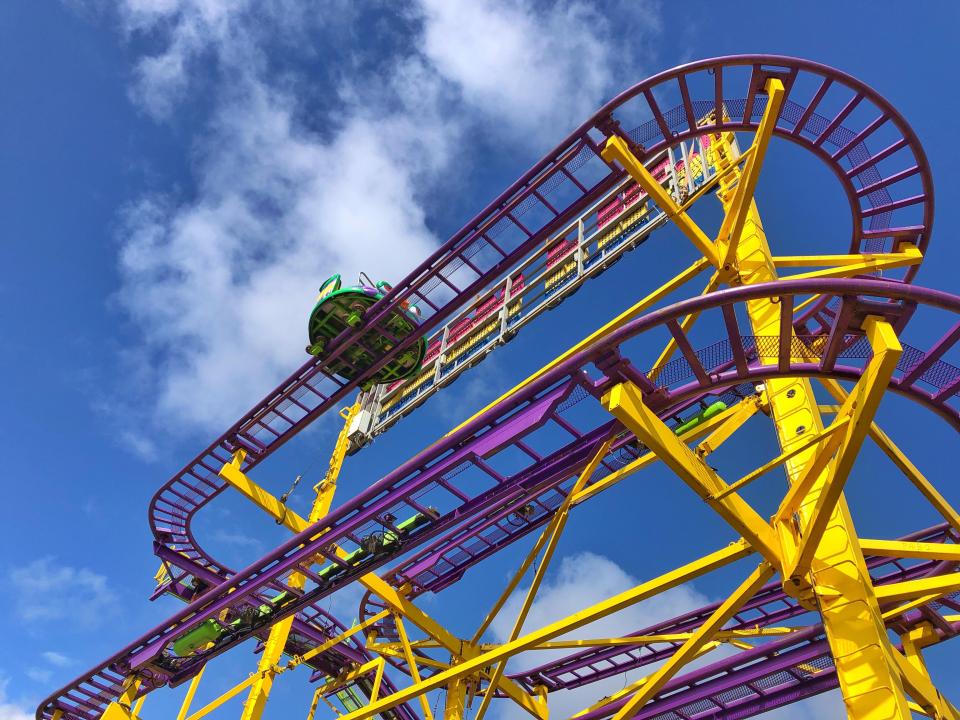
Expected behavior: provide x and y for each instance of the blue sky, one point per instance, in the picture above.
(179, 175)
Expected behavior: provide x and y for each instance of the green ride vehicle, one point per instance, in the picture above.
(341, 308)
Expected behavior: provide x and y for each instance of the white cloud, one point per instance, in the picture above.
(46, 590)
(39, 675)
(57, 659)
(10, 710)
(140, 445)
(290, 186)
(545, 69)
(564, 592)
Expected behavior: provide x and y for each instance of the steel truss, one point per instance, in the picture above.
(817, 606)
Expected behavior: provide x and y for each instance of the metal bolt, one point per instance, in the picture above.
(801, 429)
(791, 392)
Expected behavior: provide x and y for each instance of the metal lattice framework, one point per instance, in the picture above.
(818, 604)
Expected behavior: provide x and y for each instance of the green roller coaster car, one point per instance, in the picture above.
(343, 308)
(211, 630)
(701, 417)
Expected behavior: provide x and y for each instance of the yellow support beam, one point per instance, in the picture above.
(625, 402)
(741, 200)
(908, 549)
(918, 684)
(906, 251)
(700, 637)
(723, 635)
(553, 531)
(742, 411)
(191, 691)
(866, 264)
(264, 500)
(926, 587)
(324, 491)
(455, 705)
(472, 665)
(839, 579)
(412, 666)
(616, 149)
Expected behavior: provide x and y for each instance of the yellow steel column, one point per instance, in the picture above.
(866, 664)
(277, 640)
(454, 706)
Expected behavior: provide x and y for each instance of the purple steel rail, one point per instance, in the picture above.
(458, 474)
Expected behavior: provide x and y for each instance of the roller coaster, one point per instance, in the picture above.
(805, 346)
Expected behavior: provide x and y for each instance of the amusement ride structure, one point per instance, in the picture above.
(817, 606)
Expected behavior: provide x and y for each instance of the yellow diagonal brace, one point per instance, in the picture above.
(922, 690)
(191, 691)
(616, 149)
(548, 533)
(412, 665)
(907, 606)
(744, 410)
(783, 457)
(348, 676)
(312, 653)
(224, 697)
(553, 531)
(740, 202)
(625, 402)
(811, 473)
(472, 665)
(861, 406)
(634, 686)
(702, 635)
(264, 500)
(903, 463)
(135, 709)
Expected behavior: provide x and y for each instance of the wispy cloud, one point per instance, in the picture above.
(39, 675)
(291, 185)
(9, 709)
(46, 590)
(543, 69)
(567, 591)
(57, 659)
